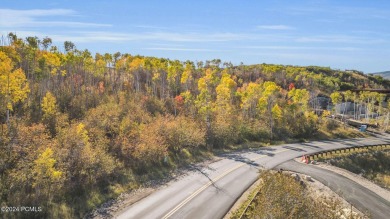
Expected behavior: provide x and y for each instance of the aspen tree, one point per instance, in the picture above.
(13, 84)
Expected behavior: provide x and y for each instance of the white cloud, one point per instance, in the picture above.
(102, 36)
(312, 48)
(338, 39)
(275, 27)
(199, 37)
(180, 49)
(338, 12)
(10, 18)
(37, 12)
(46, 22)
(300, 58)
(151, 27)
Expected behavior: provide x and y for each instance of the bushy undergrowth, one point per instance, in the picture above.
(119, 145)
(77, 129)
(282, 196)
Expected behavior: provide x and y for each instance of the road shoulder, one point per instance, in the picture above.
(362, 198)
(384, 193)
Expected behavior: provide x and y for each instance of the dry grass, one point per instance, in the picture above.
(373, 164)
(282, 196)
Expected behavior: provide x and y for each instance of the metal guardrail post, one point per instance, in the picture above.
(325, 153)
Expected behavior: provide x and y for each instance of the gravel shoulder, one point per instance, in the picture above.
(319, 190)
(112, 207)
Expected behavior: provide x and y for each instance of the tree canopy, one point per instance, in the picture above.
(78, 124)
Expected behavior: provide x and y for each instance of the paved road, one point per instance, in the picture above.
(359, 196)
(209, 192)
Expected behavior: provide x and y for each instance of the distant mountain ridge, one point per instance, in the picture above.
(384, 74)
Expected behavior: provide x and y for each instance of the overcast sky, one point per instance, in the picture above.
(346, 34)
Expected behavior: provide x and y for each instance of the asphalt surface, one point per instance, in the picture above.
(209, 192)
(360, 197)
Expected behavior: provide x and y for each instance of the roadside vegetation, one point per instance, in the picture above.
(371, 164)
(77, 129)
(283, 196)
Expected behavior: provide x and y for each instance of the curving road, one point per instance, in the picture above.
(360, 197)
(209, 192)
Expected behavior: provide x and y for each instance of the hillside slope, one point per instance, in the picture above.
(384, 74)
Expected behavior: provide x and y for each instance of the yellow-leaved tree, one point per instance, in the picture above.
(225, 125)
(135, 67)
(250, 94)
(13, 84)
(49, 109)
(186, 77)
(267, 104)
(52, 61)
(300, 98)
(49, 105)
(46, 177)
(336, 98)
(206, 86)
(225, 92)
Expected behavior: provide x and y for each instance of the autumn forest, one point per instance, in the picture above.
(78, 128)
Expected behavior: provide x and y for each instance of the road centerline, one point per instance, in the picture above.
(204, 187)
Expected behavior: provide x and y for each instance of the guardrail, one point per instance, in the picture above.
(316, 155)
(250, 202)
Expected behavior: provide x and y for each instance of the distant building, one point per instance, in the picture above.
(349, 108)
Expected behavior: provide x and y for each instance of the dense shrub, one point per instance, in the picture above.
(75, 124)
(331, 124)
(224, 132)
(282, 196)
(181, 132)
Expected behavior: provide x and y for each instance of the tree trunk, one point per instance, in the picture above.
(8, 102)
(7, 121)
